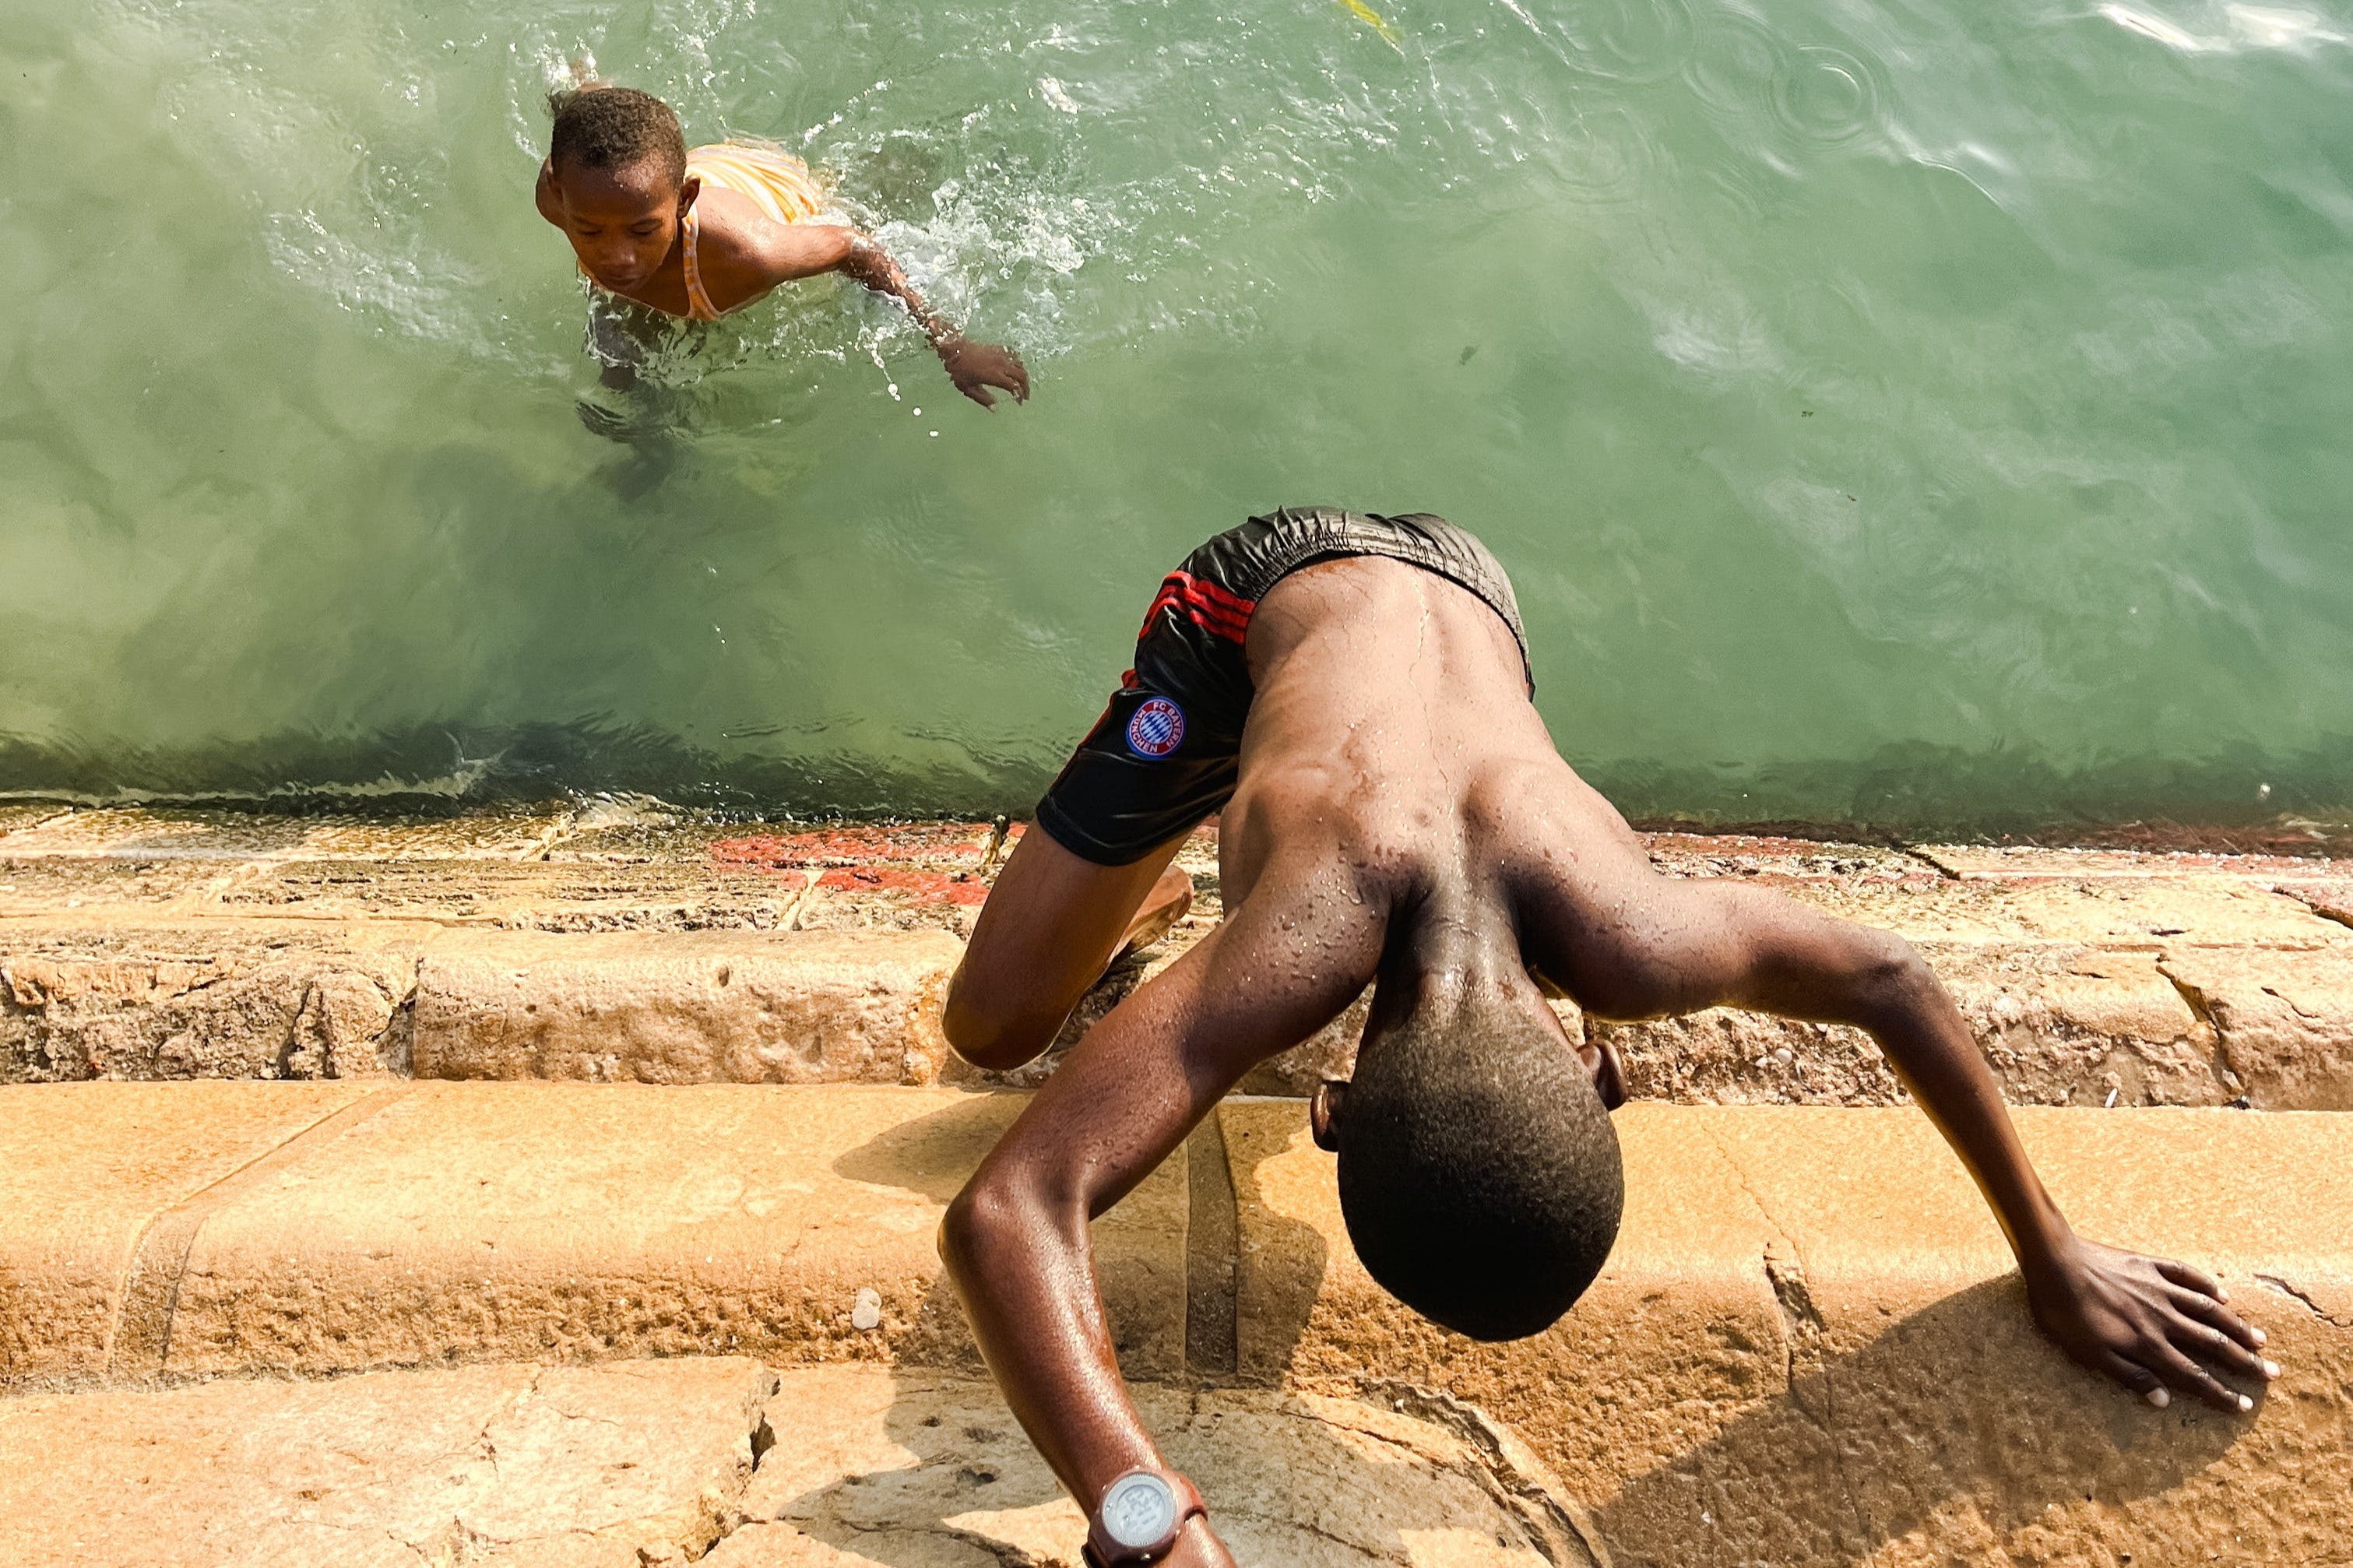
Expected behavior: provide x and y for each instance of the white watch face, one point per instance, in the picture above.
(1139, 1511)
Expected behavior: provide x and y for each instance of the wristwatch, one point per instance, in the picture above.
(1140, 1517)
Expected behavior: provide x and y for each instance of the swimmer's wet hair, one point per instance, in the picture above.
(615, 127)
(1479, 1172)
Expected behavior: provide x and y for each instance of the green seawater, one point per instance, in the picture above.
(1932, 415)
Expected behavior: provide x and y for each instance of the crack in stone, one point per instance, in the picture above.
(2286, 1288)
(2192, 996)
(1006, 1554)
(2202, 1008)
(2321, 904)
(139, 1342)
(726, 1515)
(1802, 1329)
(1805, 1354)
(1555, 1524)
(1913, 852)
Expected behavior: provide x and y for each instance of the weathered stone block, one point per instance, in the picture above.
(88, 1171)
(1809, 1347)
(2285, 1018)
(611, 1467)
(304, 1016)
(465, 1222)
(875, 1470)
(2061, 1026)
(678, 1009)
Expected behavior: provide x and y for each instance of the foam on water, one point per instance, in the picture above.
(1927, 415)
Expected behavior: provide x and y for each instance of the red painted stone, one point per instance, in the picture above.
(856, 845)
(924, 887)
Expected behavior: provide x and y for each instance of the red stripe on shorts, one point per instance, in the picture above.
(1206, 604)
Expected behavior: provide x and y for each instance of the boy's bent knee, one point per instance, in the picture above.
(991, 1032)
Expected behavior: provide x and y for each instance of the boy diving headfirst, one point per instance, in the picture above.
(698, 233)
(1353, 691)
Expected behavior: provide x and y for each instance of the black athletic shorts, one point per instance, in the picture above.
(1166, 752)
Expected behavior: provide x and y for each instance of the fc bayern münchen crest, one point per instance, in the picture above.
(1157, 728)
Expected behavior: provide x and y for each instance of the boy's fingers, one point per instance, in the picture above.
(2190, 1378)
(2135, 1376)
(2197, 1279)
(2207, 1309)
(2204, 1343)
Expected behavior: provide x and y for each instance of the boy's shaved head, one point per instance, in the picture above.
(1479, 1172)
(615, 128)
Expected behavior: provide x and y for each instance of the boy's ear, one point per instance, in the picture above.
(688, 190)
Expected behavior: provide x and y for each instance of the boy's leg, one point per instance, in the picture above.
(1052, 924)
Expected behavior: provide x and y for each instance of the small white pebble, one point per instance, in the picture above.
(935, 435)
(867, 1313)
(918, 413)
(2112, 1100)
(2159, 1397)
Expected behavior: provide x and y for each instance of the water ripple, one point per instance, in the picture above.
(1825, 96)
(1631, 40)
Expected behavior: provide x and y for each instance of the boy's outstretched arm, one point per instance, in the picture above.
(2149, 1323)
(1015, 1240)
(806, 249)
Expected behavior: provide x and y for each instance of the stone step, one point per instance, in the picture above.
(193, 1229)
(1808, 1346)
(617, 942)
(725, 1462)
(516, 1466)
(2063, 1022)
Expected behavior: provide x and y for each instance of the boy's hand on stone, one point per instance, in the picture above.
(977, 367)
(2150, 1323)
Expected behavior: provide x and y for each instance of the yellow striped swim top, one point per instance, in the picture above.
(777, 182)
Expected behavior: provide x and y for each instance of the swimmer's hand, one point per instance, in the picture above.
(977, 367)
(2148, 1323)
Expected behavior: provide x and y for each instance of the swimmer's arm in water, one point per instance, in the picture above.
(1015, 1240)
(788, 251)
(621, 334)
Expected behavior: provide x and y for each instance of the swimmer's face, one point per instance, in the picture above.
(622, 221)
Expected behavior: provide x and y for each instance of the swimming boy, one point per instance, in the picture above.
(698, 233)
(1354, 692)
